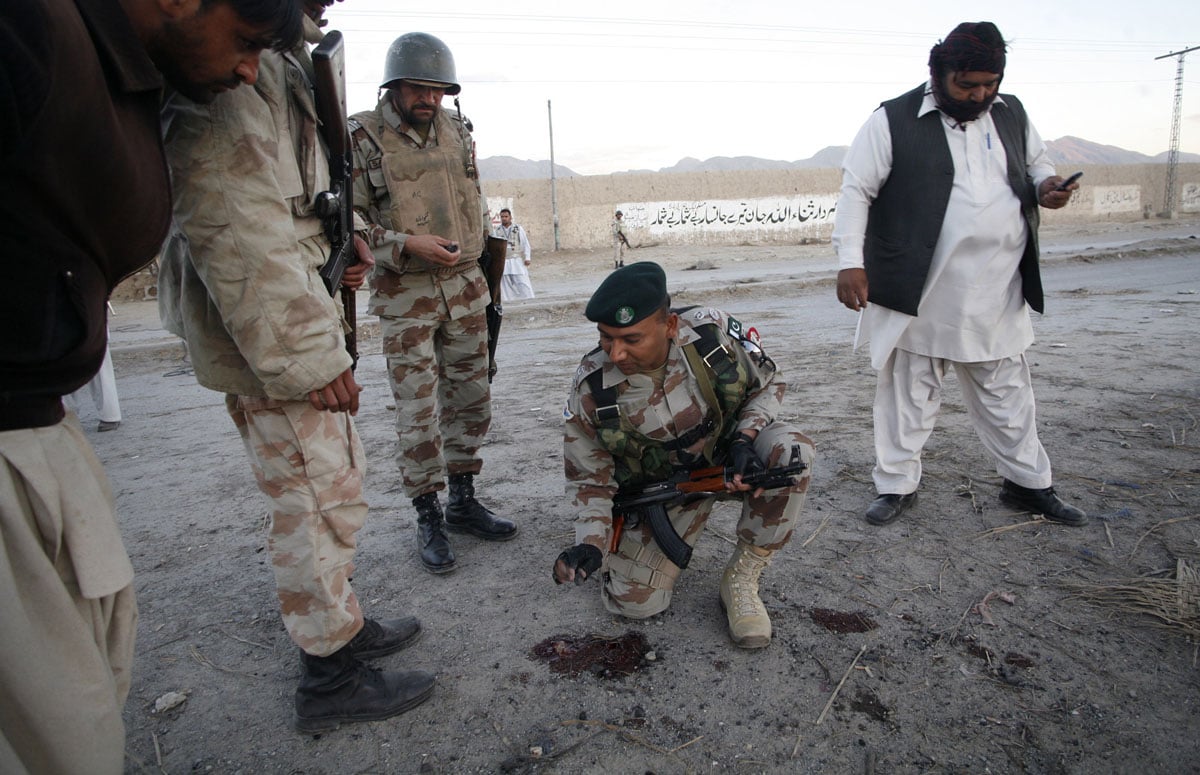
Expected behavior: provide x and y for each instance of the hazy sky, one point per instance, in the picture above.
(642, 85)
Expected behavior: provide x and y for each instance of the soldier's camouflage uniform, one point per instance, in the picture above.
(239, 283)
(433, 319)
(638, 579)
(618, 240)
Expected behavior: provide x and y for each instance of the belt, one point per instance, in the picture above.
(19, 412)
(443, 272)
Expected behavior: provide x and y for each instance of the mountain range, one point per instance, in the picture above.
(1066, 151)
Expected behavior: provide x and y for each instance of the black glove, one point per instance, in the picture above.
(742, 457)
(581, 557)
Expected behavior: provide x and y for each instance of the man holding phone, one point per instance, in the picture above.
(416, 184)
(949, 264)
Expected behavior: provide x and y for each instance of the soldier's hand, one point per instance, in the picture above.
(577, 564)
(433, 249)
(744, 460)
(340, 395)
(356, 273)
(852, 288)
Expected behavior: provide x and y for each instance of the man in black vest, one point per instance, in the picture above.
(937, 228)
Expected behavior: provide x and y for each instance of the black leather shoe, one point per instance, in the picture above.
(338, 689)
(377, 639)
(1043, 502)
(888, 508)
(433, 547)
(464, 514)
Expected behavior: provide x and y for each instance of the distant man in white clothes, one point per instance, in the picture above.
(936, 228)
(515, 282)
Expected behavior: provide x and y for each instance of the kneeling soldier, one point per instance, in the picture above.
(667, 392)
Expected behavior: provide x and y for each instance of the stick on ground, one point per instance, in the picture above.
(838, 688)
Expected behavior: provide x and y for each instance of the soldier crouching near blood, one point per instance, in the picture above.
(667, 392)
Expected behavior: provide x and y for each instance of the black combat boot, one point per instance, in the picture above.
(339, 689)
(433, 547)
(378, 639)
(464, 514)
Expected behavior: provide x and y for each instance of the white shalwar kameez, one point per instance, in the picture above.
(515, 283)
(971, 313)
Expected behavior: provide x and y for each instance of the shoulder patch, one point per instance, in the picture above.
(580, 373)
(706, 313)
(586, 366)
(734, 329)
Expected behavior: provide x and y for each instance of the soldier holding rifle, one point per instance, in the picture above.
(416, 182)
(243, 281)
(670, 391)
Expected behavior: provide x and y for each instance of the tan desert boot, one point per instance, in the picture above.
(749, 624)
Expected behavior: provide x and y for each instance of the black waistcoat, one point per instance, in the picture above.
(905, 220)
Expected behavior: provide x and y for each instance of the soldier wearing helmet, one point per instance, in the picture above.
(417, 185)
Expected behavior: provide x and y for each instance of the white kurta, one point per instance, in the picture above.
(971, 314)
(103, 390)
(971, 308)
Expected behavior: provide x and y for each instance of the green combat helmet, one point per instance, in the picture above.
(420, 57)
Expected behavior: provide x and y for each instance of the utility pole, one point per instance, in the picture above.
(553, 192)
(1173, 152)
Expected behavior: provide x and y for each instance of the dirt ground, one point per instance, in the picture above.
(884, 659)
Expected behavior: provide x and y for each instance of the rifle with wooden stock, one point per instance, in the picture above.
(495, 251)
(651, 501)
(335, 207)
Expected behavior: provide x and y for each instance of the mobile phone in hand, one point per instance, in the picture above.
(1063, 186)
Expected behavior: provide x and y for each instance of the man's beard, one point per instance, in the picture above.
(962, 111)
(410, 117)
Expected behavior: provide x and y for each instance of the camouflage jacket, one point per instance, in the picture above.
(239, 278)
(406, 185)
(678, 415)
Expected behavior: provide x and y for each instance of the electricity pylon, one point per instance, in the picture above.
(1173, 152)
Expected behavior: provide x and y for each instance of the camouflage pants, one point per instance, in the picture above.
(311, 465)
(67, 607)
(638, 579)
(438, 373)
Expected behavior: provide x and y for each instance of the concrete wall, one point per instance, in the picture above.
(776, 206)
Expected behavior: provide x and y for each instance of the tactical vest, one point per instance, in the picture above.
(639, 459)
(432, 190)
(905, 220)
(514, 242)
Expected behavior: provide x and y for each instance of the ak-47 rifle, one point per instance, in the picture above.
(650, 502)
(335, 207)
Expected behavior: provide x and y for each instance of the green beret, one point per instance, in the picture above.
(629, 295)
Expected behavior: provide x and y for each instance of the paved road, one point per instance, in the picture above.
(135, 328)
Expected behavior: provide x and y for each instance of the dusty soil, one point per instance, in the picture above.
(883, 660)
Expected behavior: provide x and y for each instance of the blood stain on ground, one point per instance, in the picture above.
(601, 656)
(842, 621)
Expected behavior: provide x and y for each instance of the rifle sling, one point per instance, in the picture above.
(704, 372)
